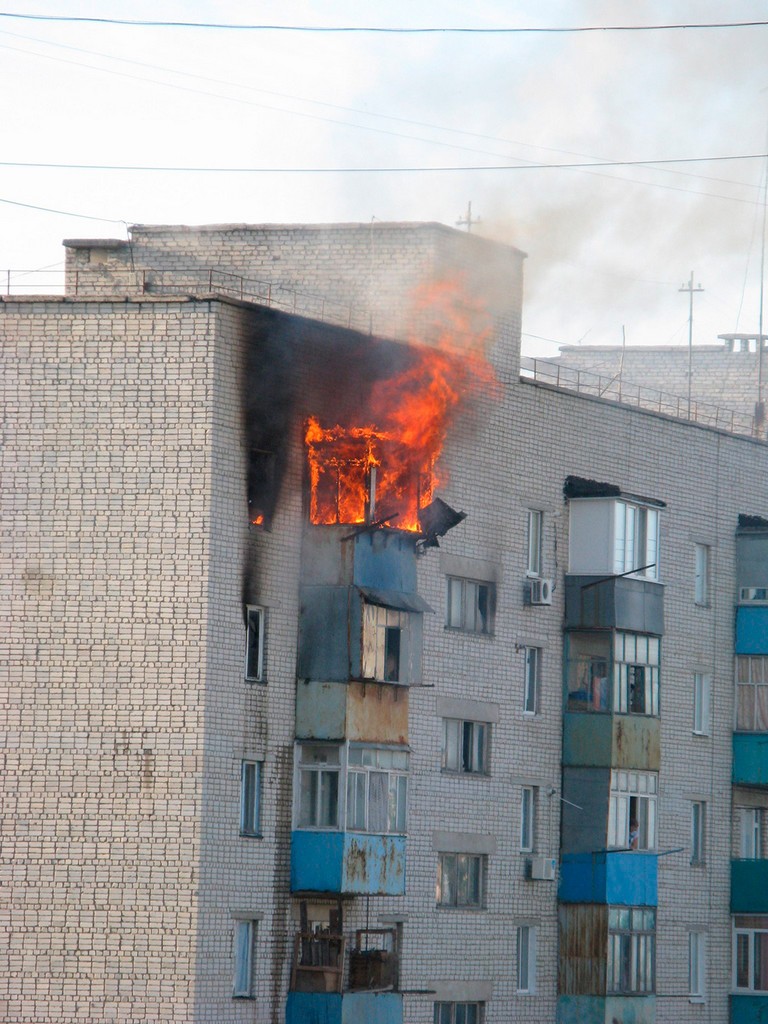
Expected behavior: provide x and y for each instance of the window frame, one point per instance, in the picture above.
(386, 655)
(532, 680)
(243, 957)
(631, 672)
(354, 772)
(455, 1011)
(749, 683)
(631, 951)
(698, 833)
(525, 959)
(534, 561)
(635, 539)
(528, 801)
(751, 830)
(748, 931)
(323, 770)
(256, 676)
(697, 966)
(454, 864)
(460, 609)
(471, 736)
(251, 797)
(702, 704)
(643, 789)
(701, 584)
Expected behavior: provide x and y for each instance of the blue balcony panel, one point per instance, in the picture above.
(346, 1008)
(750, 759)
(749, 1009)
(624, 878)
(752, 629)
(606, 1009)
(355, 863)
(749, 888)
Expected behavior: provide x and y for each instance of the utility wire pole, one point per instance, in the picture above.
(690, 289)
(468, 219)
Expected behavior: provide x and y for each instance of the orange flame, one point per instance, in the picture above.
(392, 459)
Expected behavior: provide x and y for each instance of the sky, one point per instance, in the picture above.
(308, 115)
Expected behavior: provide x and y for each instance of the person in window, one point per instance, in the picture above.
(634, 834)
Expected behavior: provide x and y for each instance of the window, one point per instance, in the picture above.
(377, 788)
(461, 880)
(526, 958)
(532, 680)
(318, 786)
(750, 953)
(386, 635)
(458, 1013)
(250, 798)
(465, 746)
(470, 605)
(752, 694)
(636, 674)
(631, 950)
(750, 821)
(535, 533)
(632, 811)
(702, 689)
(698, 831)
(254, 643)
(527, 818)
(589, 659)
(701, 585)
(696, 965)
(636, 540)
(245, 935)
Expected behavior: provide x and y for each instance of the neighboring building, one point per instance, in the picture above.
(306, 726)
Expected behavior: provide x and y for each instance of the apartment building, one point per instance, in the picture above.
(354, 676)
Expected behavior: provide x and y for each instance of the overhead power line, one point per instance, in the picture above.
(381, 29)
(416, 169)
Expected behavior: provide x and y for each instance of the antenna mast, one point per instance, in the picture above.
(690, 289)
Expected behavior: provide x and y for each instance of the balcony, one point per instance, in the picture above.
(603, 740)
(750, 759)
(626, 878)
(749, 1009)
(749, 887)
(354, 863)
(614, 602)
(317, 991)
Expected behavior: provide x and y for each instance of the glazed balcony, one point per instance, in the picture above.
(749, 887)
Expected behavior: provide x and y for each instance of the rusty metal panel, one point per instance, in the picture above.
(320, 710)
(377, 713)
(583, 949)
(373, 864)
(636, 742)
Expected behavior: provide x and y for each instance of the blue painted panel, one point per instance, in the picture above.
(747, 1009)
(630, 1009)
(349, 1008)
(323, 633)
(624, 878)
(386, 560)
(347, 862)
(587, 739)
(316, 859)
(752, 629)
(371, 1008)
(313, 1008)
(374, 865)
(750, 758)
(749, 888)
(321, 710)
(581, 1010)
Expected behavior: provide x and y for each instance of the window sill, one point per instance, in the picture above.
(697, 1000)
(252, 681)
(251, 835)
(468, 632)
(468, 910)
(701, 735)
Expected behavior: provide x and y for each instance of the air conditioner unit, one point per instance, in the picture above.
(753, 595)
(542, 869)
(541, 591)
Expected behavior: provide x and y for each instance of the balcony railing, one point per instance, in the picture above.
(318, 961)
(616, 389)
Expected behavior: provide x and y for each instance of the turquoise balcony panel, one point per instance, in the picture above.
(624, 878)
(749, 888)
(749, 1009)
(606, 1010)
(611, 741)
(345, 1008)
(355, 863)
(750, 759)
(752, 629)
(587, 739)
